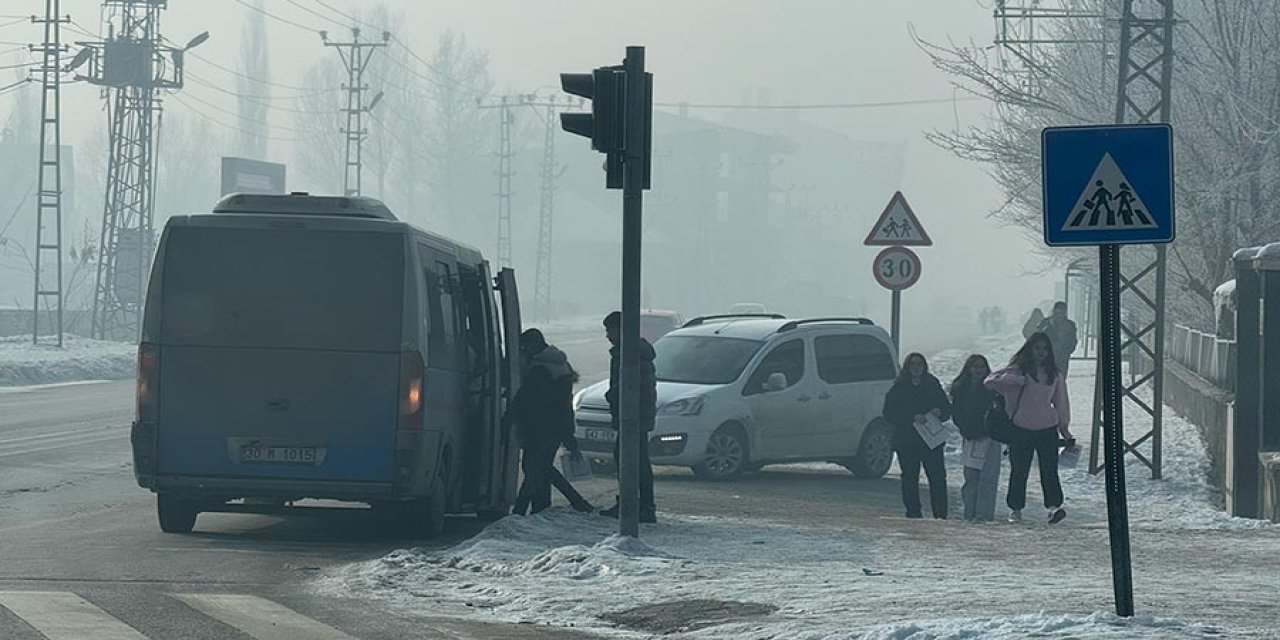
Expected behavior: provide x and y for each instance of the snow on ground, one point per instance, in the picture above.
(22, 363)
(1199, 573)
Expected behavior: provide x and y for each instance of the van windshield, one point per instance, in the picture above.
(703, 359)
(281, 288)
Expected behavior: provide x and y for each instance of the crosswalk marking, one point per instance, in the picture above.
(66, 616)
(261, 618)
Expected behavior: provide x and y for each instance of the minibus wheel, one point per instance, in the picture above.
(176, 515)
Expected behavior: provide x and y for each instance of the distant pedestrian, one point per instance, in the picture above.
(981, 455)
(915, 396)
(648, 388)
(1062, 334)
(542, 411)
(1035, 395)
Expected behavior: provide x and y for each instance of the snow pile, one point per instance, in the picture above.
(23, 363)
(564, 569)
(1098, 625)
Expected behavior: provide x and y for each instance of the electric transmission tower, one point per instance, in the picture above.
(134, 65)
(355, 57)
(546, 201)
(48, 254)
(1143, 89)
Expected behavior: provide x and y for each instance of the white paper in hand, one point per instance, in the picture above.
(974, 453)
(932, 431)
(575, 467)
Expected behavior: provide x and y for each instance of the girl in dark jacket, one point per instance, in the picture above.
(915, 395)
(982, 455)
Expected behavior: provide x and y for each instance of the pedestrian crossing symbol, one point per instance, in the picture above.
(1108, 185)
(1108, 202)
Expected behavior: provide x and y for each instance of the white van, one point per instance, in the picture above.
(738, 392)
(315, 347)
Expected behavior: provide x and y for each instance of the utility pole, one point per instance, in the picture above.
(546, 209)
(355, 57)
(133, 63)
(505, 120)
(49, 174)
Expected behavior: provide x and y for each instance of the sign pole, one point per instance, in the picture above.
(895, 323)
(629, 434)
(1113, 428)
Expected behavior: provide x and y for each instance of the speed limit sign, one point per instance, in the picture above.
(896, 268)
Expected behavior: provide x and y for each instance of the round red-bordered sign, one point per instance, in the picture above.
(896, 268)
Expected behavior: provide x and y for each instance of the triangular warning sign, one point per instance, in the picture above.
(898, 227)
(1109, 201)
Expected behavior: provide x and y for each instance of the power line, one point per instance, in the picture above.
(255, 100)
(250, 78)
(20, 65)
(248, 120)
(315, 13)
(215, 87)
(231, 126)
(800, 107)
(9, 24)
(344, 14)
(276, 17)
(10, 87)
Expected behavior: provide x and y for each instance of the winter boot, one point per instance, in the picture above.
(1056, 515)
(1015, 516)
(582, 506)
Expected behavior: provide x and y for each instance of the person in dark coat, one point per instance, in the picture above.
(970, 400)
(542, 411)
(915, 395)
(648, 410)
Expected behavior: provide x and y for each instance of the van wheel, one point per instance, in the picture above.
(176, 515)
(875, 453)
(726, 457)
(425, 518)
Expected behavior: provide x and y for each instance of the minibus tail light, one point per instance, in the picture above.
(148, 382)
(412, 379)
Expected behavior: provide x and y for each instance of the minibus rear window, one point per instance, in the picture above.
(274, 288)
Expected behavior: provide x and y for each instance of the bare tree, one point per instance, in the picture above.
(253, 103)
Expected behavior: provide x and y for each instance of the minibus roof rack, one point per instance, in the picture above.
(301, 203)
(724, 317)
(796, 323)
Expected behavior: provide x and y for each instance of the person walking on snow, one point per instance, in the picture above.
(543, 413)
(648, 388)
(1035, 395)
(914, 395)
(1062, 334)
(982, 455)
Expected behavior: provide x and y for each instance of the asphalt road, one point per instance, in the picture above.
(83, 557)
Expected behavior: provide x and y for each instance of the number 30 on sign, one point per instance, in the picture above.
(896, 268)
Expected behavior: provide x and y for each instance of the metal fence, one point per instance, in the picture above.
(1205, 354)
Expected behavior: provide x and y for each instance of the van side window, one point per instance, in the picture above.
(786, 358)
(438, 353)
(450, 328)
(852, 358)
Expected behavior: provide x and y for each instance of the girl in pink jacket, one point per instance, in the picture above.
(1035, 395)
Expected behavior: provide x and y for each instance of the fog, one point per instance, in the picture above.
(787, 231)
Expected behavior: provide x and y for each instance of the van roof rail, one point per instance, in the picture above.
(796, 323)
(299, 203)
(701, 320)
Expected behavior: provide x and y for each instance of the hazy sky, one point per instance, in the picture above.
(700, 51)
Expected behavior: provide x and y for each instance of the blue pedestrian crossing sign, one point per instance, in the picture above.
(1108, 184)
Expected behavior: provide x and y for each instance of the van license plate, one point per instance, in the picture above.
(602, 435)
(301, 455)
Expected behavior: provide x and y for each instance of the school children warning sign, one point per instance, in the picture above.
(898, 226)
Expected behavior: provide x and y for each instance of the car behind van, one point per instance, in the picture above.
(736, 393)
(301, 347)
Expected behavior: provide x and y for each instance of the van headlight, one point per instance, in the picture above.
(683, 407)
(577, 399)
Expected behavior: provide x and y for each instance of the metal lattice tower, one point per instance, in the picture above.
(1143, 96)
(355, 57)
(546, 210)
(505, 120)
(1024, 28)
(48, 253)
(134, 65)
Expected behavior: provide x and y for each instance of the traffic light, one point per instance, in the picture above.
(606, 124)
(605, 88)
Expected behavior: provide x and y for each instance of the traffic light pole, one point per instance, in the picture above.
(630, 435)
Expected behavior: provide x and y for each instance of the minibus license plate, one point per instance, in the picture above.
(602, 435)
(302, 455)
